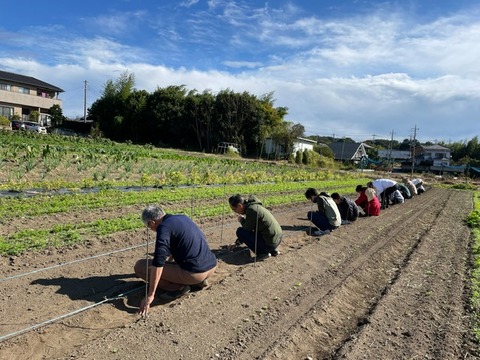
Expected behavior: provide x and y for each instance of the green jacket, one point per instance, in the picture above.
(268, 226)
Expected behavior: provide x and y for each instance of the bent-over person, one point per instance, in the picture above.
(327, 217)
(182, 259)
(347, 208)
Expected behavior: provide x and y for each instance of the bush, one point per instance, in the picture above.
(4, 121)
(298, 157)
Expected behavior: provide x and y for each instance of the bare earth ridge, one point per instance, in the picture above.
(391, 287)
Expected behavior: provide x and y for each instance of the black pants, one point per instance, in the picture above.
(385, 195)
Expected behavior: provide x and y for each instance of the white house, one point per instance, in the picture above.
(438, 155)
(272, 148)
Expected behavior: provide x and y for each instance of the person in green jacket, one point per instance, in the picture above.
(260, 231)
(327, 218)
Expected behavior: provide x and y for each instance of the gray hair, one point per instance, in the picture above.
(152, 212)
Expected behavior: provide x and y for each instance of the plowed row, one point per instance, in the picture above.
(392, 287)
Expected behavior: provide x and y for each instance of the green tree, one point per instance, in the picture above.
(34, 115)
(56, 115)
(109, 111)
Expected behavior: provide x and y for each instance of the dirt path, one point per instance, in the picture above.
(391, 287)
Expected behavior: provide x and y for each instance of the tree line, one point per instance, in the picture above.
(176, 117)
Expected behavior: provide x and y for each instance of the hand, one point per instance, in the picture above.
(241, 217)
(235, 245)
(145, 305)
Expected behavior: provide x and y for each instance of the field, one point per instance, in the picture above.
(392, 287)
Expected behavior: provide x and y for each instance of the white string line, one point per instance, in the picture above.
(50, 321)
(94, 257)
(70, 262)
(256, 238)
(146, 269)
(47, 322)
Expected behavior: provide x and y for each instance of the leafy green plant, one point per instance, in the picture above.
(473, 221)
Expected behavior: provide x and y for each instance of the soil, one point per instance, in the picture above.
(390, 287)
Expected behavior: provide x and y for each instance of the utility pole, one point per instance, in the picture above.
(413, 147)
(391, 146)
(85, 102)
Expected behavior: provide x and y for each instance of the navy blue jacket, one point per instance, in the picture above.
(180, 237)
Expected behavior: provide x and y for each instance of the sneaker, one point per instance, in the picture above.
(321, 232)
(200, 285)
(275, 252)
(261, 257)
(175, 294)
(345, 222)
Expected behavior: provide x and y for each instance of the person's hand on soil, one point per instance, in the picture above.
(145, 305)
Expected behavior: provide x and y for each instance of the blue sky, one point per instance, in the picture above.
(353, 68)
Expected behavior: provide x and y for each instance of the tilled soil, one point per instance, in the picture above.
(390, 287)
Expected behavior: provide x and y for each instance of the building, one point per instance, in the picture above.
(302, 144)
(435, 154)
(22, 95)
(394, 154)
(345, 151)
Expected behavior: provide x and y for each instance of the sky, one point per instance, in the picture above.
(364, 69)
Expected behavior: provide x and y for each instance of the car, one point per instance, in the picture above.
(17, 125)
(31, 126)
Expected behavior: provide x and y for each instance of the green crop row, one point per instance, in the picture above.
(473, 221)
(109, 198)
(67, 234)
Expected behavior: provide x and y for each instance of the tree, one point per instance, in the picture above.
(56, 115)
(34, 115)
(110, 109)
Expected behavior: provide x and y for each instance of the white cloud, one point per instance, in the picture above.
(189, 3)
(355, 77)
(243, 64)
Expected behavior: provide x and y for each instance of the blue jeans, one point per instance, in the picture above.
(320, 220)
(248, 238)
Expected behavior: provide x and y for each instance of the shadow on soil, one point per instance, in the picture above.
(237, 256)
(294, 228)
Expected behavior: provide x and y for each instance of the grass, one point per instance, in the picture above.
(473, 221)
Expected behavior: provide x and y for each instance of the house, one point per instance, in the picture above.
(394, 154)
(302, 144)
(21, 95)
(435, 154)
(345, 151)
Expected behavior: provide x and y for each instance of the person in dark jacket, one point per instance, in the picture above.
(347, 208)
(260, 231)
(404, 190)
(182, 257)
(327, 218)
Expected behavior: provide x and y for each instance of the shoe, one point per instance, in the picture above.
(345, 222)
(321, 232)
(261, 257)
(175, 294)
(200, 285)
(275, 252)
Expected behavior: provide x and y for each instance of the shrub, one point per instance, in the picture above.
(4, 121)
(298, 157)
